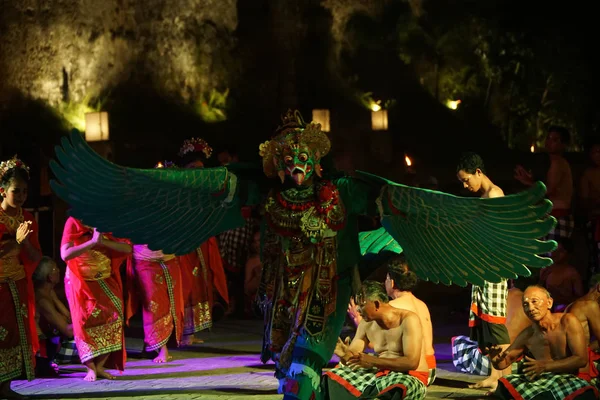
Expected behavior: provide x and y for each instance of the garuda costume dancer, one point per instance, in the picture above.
(310, 246)
(19, 255)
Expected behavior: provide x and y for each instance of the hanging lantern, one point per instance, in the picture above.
(96, 127)
(379, 120)
(321, 116)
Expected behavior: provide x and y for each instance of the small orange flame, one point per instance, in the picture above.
(408, 161)
(532, 149)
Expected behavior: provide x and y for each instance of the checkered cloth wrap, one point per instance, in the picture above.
(487, 315)
(564, 228)
(67, 354)
(234, 245)
(467, 358)
(370, 384)
(431, 377)
(548, 386)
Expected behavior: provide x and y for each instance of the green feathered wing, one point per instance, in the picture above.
(462, 240)
(169, 209)
(378, 241)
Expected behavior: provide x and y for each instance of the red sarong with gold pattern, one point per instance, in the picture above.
(202, 273)
(157, 282)
(18, 333)
(95, 293)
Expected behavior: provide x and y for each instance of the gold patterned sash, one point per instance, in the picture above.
(10, 266)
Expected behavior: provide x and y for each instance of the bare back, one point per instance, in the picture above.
(560, 183)
(387, 343)
(410, 302)
(587, 312)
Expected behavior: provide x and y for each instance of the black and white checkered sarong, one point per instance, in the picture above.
(234, 245)
(371, 384)
(564, 228)
(67, 354)
(548, 385)
(487, 315)
(467, 358)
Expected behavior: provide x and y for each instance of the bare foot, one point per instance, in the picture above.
(163, 356)
(189, 340)
(103, 374)
(489, 382)
(90, 376)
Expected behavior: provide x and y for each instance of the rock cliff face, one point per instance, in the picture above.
(61, 50)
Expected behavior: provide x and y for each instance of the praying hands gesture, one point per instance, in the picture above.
(23, 231)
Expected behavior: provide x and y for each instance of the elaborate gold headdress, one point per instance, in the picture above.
(14, 162)
(195, 145)
(292, 132)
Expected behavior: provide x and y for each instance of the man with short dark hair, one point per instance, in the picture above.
(398, 371)
(487, 316)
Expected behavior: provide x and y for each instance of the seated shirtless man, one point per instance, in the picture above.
(587, 311)
(398, 371)
(554, 350)
(52, 316)
(399, 283)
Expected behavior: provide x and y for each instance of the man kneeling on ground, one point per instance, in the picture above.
(400, 369)
(554, 347)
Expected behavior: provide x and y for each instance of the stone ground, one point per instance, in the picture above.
(225, 366)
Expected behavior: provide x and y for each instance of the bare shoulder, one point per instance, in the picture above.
(44, 303)
(422, 307)
(567, 319)
(407, 316)
(560, 163)
(495, 191)
(583, 305)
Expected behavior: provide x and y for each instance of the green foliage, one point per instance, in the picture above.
(526, 74)
(213, 107)
(366, 99)
(73, 113)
